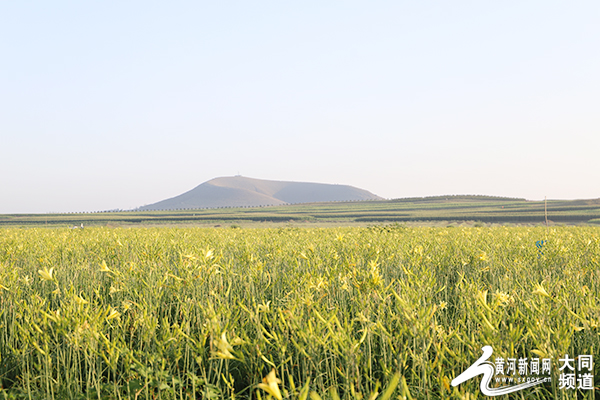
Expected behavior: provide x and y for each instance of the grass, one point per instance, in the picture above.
(438, 210)
(188, 313)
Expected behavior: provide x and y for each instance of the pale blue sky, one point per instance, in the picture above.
(116, 104)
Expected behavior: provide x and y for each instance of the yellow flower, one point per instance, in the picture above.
(45, 274)
(446, 383)
(502, 299)
(81, 301)
(539, 289)
(265, 307)
(270, 385)
(126, 305)
(104, 267)
(112, 314)
(224, 348)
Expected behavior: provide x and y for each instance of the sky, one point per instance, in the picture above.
(118, 104)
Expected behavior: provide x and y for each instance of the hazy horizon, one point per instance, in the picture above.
(116, 105)
(383, 199)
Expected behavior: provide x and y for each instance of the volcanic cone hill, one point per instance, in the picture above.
(239, 191)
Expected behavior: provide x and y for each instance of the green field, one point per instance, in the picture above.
(296, 313)
(437, 210)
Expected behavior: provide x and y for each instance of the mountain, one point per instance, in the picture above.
(239, 191)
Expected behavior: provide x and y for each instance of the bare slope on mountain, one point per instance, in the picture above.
(238, 191)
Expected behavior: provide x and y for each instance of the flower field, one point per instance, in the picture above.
(290, 313)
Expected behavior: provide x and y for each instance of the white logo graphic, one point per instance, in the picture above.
(485, 368)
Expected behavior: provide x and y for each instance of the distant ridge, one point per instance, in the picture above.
(239, 191)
